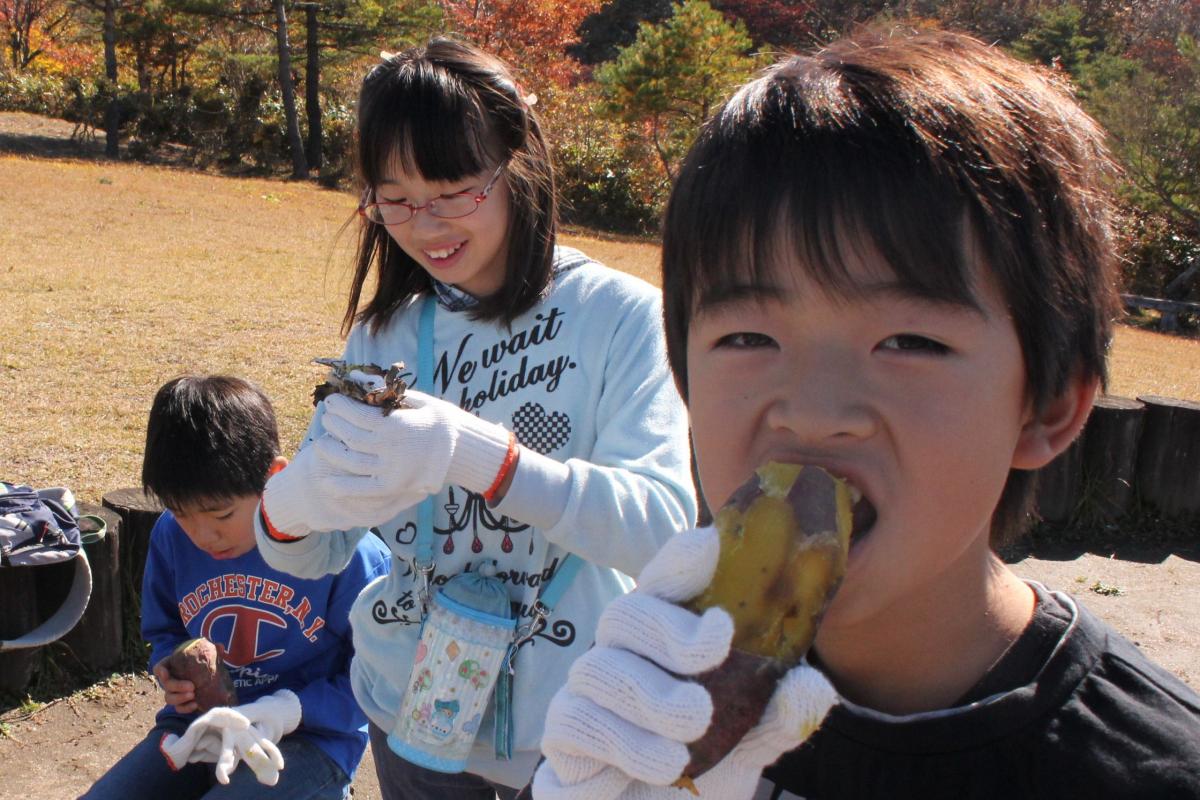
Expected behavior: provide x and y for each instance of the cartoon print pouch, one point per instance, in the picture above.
(464, 639)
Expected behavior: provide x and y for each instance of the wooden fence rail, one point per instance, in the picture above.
(1143, 449)
(1169, 310)
(109, 628)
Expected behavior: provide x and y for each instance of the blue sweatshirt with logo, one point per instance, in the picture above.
(276, 631)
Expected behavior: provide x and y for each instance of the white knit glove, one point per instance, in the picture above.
(309, 494)
(415, 450)
(249, 733)
(619, 727)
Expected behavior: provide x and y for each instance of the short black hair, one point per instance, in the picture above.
(448, 110)
(938, 151)
(208, 438)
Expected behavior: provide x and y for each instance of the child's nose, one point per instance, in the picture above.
(205, 535)
(823, 403)
(424, 221)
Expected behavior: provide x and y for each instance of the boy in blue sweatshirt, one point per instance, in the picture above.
(211, 442)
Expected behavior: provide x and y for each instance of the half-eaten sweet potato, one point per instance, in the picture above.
(785, 535)
(199, 661)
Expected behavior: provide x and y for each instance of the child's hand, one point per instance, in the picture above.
(413, 451)
(310, 494)
(620, 726)
(247, 733)
(178, 693)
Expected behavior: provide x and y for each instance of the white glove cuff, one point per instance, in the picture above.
(282, 513)
(539, 492)
(281, 710)
(480, 449)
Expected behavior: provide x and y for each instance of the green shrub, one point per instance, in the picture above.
(34, 93)
(607, 177)
(1156, 254)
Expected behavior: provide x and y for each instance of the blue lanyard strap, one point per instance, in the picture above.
(424, 381)
(553, 591)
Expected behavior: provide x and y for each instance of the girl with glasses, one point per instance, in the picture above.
(544, 427)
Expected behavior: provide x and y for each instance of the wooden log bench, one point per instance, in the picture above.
(1060, 485)
(138, 512)
(98, 641)
(1168, 464)
(18, 590)
(1110, 448)
(30, 595)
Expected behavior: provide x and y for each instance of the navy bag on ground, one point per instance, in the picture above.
(39, 527)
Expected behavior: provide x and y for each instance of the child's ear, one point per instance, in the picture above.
(1050, 431)
(277, 463)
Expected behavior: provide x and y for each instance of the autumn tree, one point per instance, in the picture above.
(106, 12)
(780, 24)
(341, 30)
(615, 25)
(1154, 118)
(532, 35)
(674, 74)
(26, 24)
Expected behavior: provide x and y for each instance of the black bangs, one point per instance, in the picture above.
(208, 438)
(773, 180)
(425, 116)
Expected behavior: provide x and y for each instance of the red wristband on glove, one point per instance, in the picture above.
(510, 458)
(272, 532)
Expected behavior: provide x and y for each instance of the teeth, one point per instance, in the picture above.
(446, 253)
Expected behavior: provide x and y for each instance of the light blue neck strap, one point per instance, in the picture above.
(554, 590)
(424, 382)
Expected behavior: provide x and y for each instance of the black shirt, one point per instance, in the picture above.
(1072, 709)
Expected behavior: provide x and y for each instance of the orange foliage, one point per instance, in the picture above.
(40, 35)
(532, 35)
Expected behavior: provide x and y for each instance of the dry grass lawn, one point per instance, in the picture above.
(117, 277)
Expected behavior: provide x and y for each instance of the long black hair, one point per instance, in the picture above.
(446, 111)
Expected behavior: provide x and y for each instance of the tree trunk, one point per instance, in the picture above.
(1059, 485)
(1180, 285)
(138, 514)
(287, 87)
(1168, 471)
(98, 641)
(112, 112)
(1110, 449)
(143, 70)
(312, 85)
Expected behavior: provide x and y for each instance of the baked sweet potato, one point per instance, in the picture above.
(785, 535)
(366, 383)
(199, 661)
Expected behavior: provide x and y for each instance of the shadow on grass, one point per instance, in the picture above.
(57, 673)
(49, 138)
(43, 146)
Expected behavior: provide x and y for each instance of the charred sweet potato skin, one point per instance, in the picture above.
(784, 541)
(199, 661)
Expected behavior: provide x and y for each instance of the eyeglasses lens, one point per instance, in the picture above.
(453, 207)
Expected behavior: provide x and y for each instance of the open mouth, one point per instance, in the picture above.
(813, 496)
(862, 515)
(445, 252)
